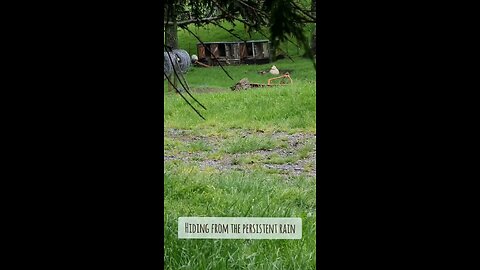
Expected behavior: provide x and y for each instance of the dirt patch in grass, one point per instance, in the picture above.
(203, 90)
(209, 90)
(292, 154)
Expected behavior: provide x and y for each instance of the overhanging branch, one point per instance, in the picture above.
(306, 13)
(186, 22)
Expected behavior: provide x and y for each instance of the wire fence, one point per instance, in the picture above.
(178, 59)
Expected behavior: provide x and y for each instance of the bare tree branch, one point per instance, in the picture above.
(196, 20)
(229, 31)
(254, 9)
(306, 13)
(223, 10)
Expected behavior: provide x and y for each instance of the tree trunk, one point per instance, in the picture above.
(313, 44)
(171, 40)
(313, 8)
(171, 35)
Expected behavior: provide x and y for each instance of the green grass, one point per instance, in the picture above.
(215, 77)
(286, 108)
(238, 124)
(169, 144)
(247, 159)
(306, 150)
(278, 159)
(199, 146)
(257, 194)
(249, 144)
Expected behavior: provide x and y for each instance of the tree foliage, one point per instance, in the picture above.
(284, 18)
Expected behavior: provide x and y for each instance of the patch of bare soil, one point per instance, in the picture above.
(209, 90)
(292, 144)
(202, 90)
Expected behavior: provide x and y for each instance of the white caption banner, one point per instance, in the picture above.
(239, 228)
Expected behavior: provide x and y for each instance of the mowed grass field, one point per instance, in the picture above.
(253, 156)
(286, 108)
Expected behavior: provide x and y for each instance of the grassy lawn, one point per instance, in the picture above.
(189, 192)
(253, 156)
(287, 108)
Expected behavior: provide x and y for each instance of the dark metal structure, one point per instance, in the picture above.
(235, 53)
